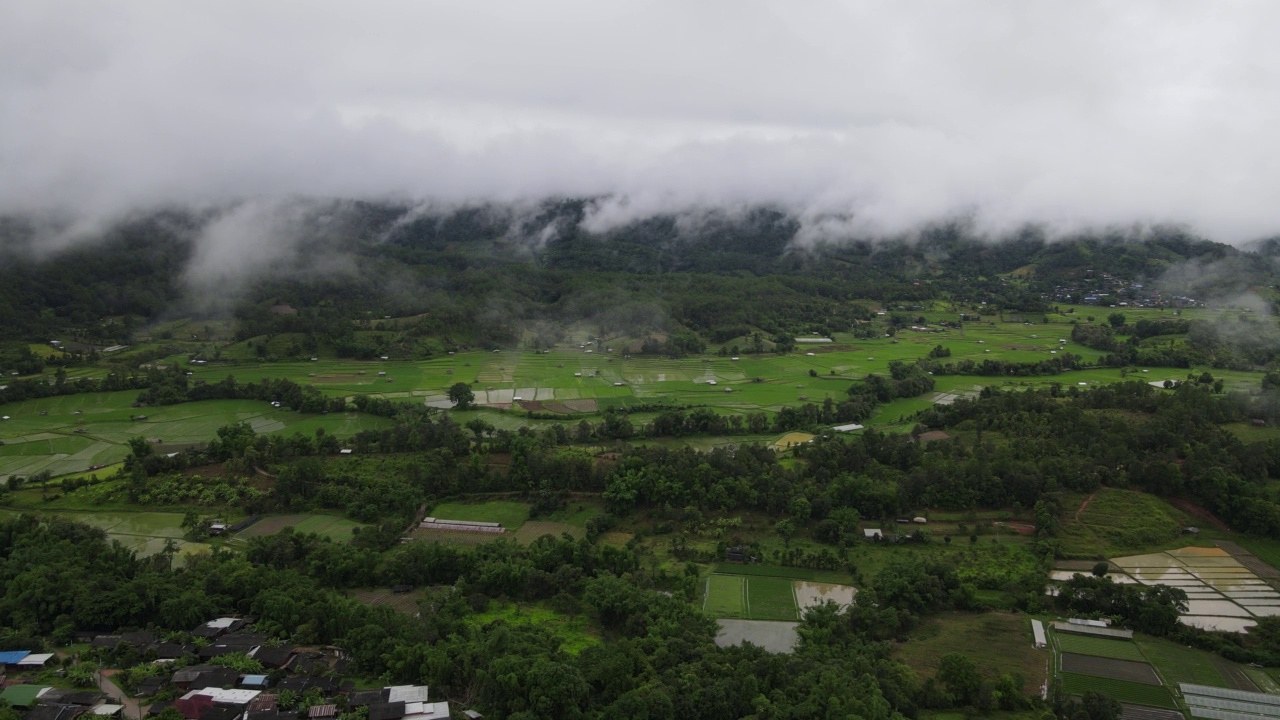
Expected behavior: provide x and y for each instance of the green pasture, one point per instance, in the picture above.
(1123, 690)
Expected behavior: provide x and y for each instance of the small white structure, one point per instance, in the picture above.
(618, 384)
(847, 428)
(811, 354)
(223, 696)
(345, 451)
(35, 660)
(386, 357)
(106, 710)
(734, 359)
(1037, 629)
(872, 534)
(516, 398)
(577, 374)
(919, 520)
(711, 382)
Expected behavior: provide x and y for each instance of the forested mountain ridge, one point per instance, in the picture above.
(714, 274)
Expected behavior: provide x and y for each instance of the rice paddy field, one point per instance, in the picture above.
(761, 595)
(576, 379)
(73, 433)
(1142, 670)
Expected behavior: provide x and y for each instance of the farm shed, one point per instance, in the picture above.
(55, 712)
(851, 427)
(386, 710)
(872, 534)
(13, 657)
(461, 526)
(1091, 630)
(35, 660)
(1037, 629)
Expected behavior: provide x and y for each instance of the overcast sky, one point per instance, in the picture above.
(1070, 113)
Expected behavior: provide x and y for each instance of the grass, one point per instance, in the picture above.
(726, 596)
(1178, 664)
(1099, 647)
(1120, 522)
(766, 571)
(576, 633)
(535, 529)
(752, 598)
(1267, 549)
(71, 433)
(771, 598)
(566, 374)
(331, 526)
(510, 515)
(1121, 690)
(998, 642)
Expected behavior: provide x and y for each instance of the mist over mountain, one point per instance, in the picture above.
(867, 118)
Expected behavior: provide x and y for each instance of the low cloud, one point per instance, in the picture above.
(858, 117)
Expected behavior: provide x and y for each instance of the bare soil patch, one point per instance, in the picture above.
(1110, 668)
(1084, 505)
(582, 405)
(934, 435)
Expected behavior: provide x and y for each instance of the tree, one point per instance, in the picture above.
(1116, 319)
(461, 395)
(786, 529)
(959, 675)
(139, 447)
(1101, 569)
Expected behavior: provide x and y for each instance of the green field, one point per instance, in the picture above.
(76, 432)
(726, 596)
(997, 642)
(771, 598)
(566, 383)
(1119, 522)
(331, 526)
(1122, 690)
(766, 571)
(1178, 664)
(751, 598)
(510, 515)
(1099, 647)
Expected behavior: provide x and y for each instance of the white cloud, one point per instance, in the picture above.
(890, 113)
